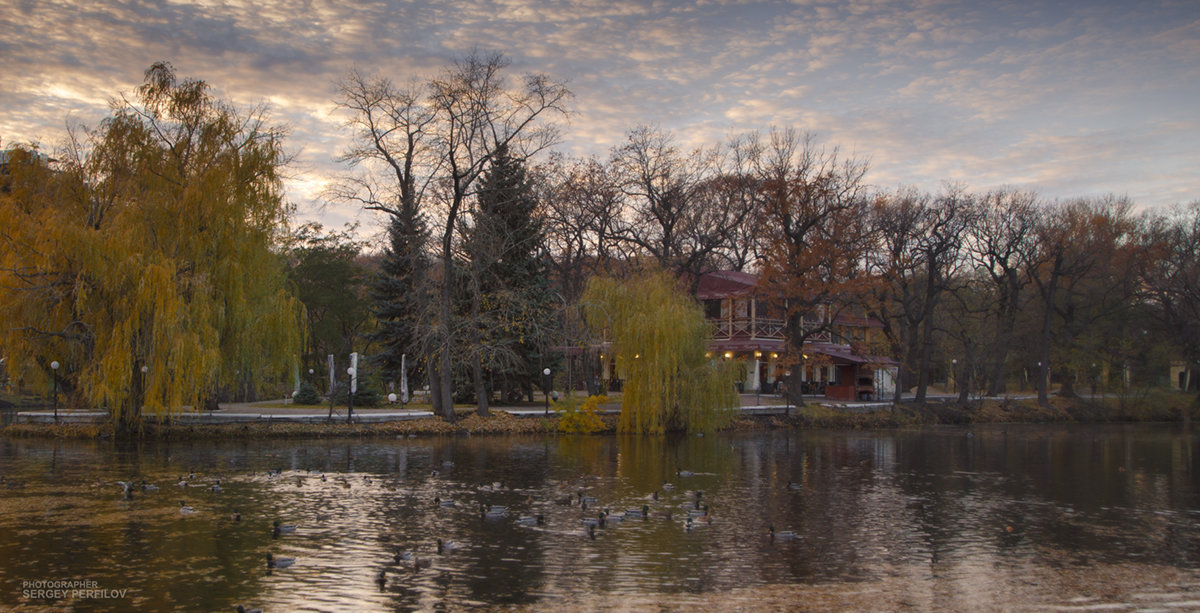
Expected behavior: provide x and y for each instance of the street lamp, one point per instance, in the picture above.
(546, 388)
(54, 385)
(787, 391)
(954, 373)
(350, 402)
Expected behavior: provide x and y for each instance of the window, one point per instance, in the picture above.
(712, 308)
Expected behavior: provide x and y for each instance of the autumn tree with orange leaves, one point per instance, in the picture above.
(816, 210)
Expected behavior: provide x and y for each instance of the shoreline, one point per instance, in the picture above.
(1177, 408)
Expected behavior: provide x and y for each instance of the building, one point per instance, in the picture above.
(749, 327)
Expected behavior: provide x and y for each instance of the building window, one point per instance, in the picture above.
(712, 308)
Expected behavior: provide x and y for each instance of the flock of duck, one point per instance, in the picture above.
(694, 511)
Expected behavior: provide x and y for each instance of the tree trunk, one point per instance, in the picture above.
(1043, 378)
(481, 391)
(435, 385)
(1005, 325)
(1067, 389)
(964, 383)
(589, 374)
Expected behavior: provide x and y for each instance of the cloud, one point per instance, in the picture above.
(1062, 97)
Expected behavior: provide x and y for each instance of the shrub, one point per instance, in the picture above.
(307, 394)
(576, 419)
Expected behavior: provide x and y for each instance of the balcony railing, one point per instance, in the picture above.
(751, 329)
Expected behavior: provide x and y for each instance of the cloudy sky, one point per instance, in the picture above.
(1066, 98)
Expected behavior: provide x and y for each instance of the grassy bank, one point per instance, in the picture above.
(1153, 407)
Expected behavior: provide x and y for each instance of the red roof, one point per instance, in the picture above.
(843, 354)
(725, 283)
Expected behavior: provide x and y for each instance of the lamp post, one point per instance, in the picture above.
(54, 386)
(546, 388)
(787, 392)
(954, 374)
(350, 402)
(144, 369)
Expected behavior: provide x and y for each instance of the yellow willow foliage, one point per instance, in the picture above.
(154, 247)
(659, 337)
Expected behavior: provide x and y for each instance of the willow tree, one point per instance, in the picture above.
(146, 264)
(659, 335)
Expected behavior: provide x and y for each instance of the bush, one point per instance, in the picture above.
(307, 394)
(580, 420)
(366, 397)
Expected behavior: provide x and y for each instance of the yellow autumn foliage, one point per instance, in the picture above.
(659, 336)
(150, 244)
(580, 419)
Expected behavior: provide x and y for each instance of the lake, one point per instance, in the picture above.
(1012, 517)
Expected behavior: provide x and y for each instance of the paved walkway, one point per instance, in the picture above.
(275, 410)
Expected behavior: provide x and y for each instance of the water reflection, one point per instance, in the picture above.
(945, 518)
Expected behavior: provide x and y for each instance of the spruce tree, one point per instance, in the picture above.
(401, 296)
(510, 268)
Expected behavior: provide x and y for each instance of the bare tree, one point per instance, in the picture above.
(918, 256)
(1003, 231)
(670, 216)
(434, 140)
(1171, 280)
(1082, 274)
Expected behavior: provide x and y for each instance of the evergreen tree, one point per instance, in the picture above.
(401, 296)
(511, 309)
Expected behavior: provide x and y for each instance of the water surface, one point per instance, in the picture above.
(1001, 518)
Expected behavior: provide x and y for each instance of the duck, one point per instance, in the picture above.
(280, 562)
(783, 535)
(444, 502)
(216, 487)
(236, 515)
(531, 520)
(668, 486)
(495, 512)
(184, 509)
(641, 513)
(496, 486)
(402, 556)
(419, 563)
(447, 546)
(795, 487)
(283, 528)
(148, 487)
(381, 578)
(241, 609)
(126, 489)
(684, 473)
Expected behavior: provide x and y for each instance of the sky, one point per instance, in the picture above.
(1065, 98)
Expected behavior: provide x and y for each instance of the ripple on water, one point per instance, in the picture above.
(880, 526)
